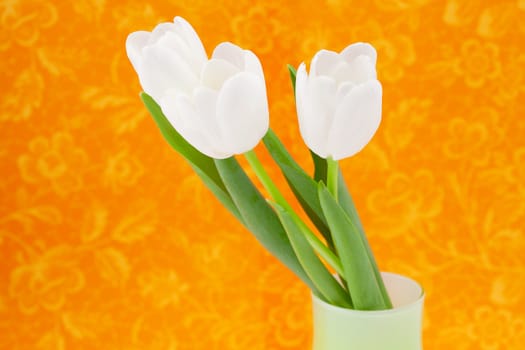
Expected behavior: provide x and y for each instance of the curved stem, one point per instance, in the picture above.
(332, 177)
(278, 197)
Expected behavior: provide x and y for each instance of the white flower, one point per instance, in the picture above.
(339, 102)
(218, 105)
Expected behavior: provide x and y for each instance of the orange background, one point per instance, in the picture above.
(108, 240)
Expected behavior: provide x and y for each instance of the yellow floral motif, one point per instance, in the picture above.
(415, 199)
(91, 10)
(86, 324)
(52, 340)
(47, 281)
(162, 288)
(468, 141)
(396, 51)
(454, 335)
(137, 224)
(122, 170)
(508, 288)
(56, 160)
(113, 265)
(93, 222)
(22, 21)
(494, 328)
(315, 40)
(257, 28)
(511, 82)
(478, 62)
(148, 335)
(62, 61)
(291, 318)
(139, 15)
(460, 12)
(495, 20)
(25, 98)
(402, 123)
(396, 5)
(517, 171)
(504, 247)
(123, 108)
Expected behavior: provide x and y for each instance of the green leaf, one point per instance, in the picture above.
(306, 191)
(203, 165)
(302, 185)
(347, 203)
(293, 75)
(259, 217)
(330, 289)
(358, 270)
(320, 167)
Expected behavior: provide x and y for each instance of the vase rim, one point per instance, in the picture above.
(394, 310)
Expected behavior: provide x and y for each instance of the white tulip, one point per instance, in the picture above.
(218, 105)
(339, 101)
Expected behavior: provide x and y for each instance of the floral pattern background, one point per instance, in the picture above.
(109, 241)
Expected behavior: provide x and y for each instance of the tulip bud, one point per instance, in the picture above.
(218, 105)
(339, 101)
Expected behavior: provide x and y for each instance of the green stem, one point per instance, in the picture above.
(333, 172)
(278, 197)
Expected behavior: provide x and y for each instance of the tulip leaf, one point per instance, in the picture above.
(301, 184)
(358, 270)
(293, 75)
(346, 202)
(320, 167)
(203, 165)
(330, 289)
(259, 217)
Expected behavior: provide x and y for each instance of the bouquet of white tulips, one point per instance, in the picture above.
(210, 110)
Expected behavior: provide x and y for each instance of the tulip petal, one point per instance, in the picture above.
(302, 103)
(364, 69)
(169, 109)
(358, 49)
(162, 69)
(316, 121)
(161, 29)
(252, 64)
(201, 122)
(357, 71)
(324, 62)
(185, 32)
(192, 39)
(242, 112)
(216, 72)
(205, 101)
(245, 60)
(342, 90)
(185, 119)
(195, 132)
(175, 42)
(301, 81)
(310, 124)
(356, 120)
(135, 42)
(230, 53)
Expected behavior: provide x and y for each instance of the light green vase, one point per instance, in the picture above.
(337, 328)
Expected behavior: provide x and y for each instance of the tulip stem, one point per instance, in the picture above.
(278, 197)
(332, 177)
